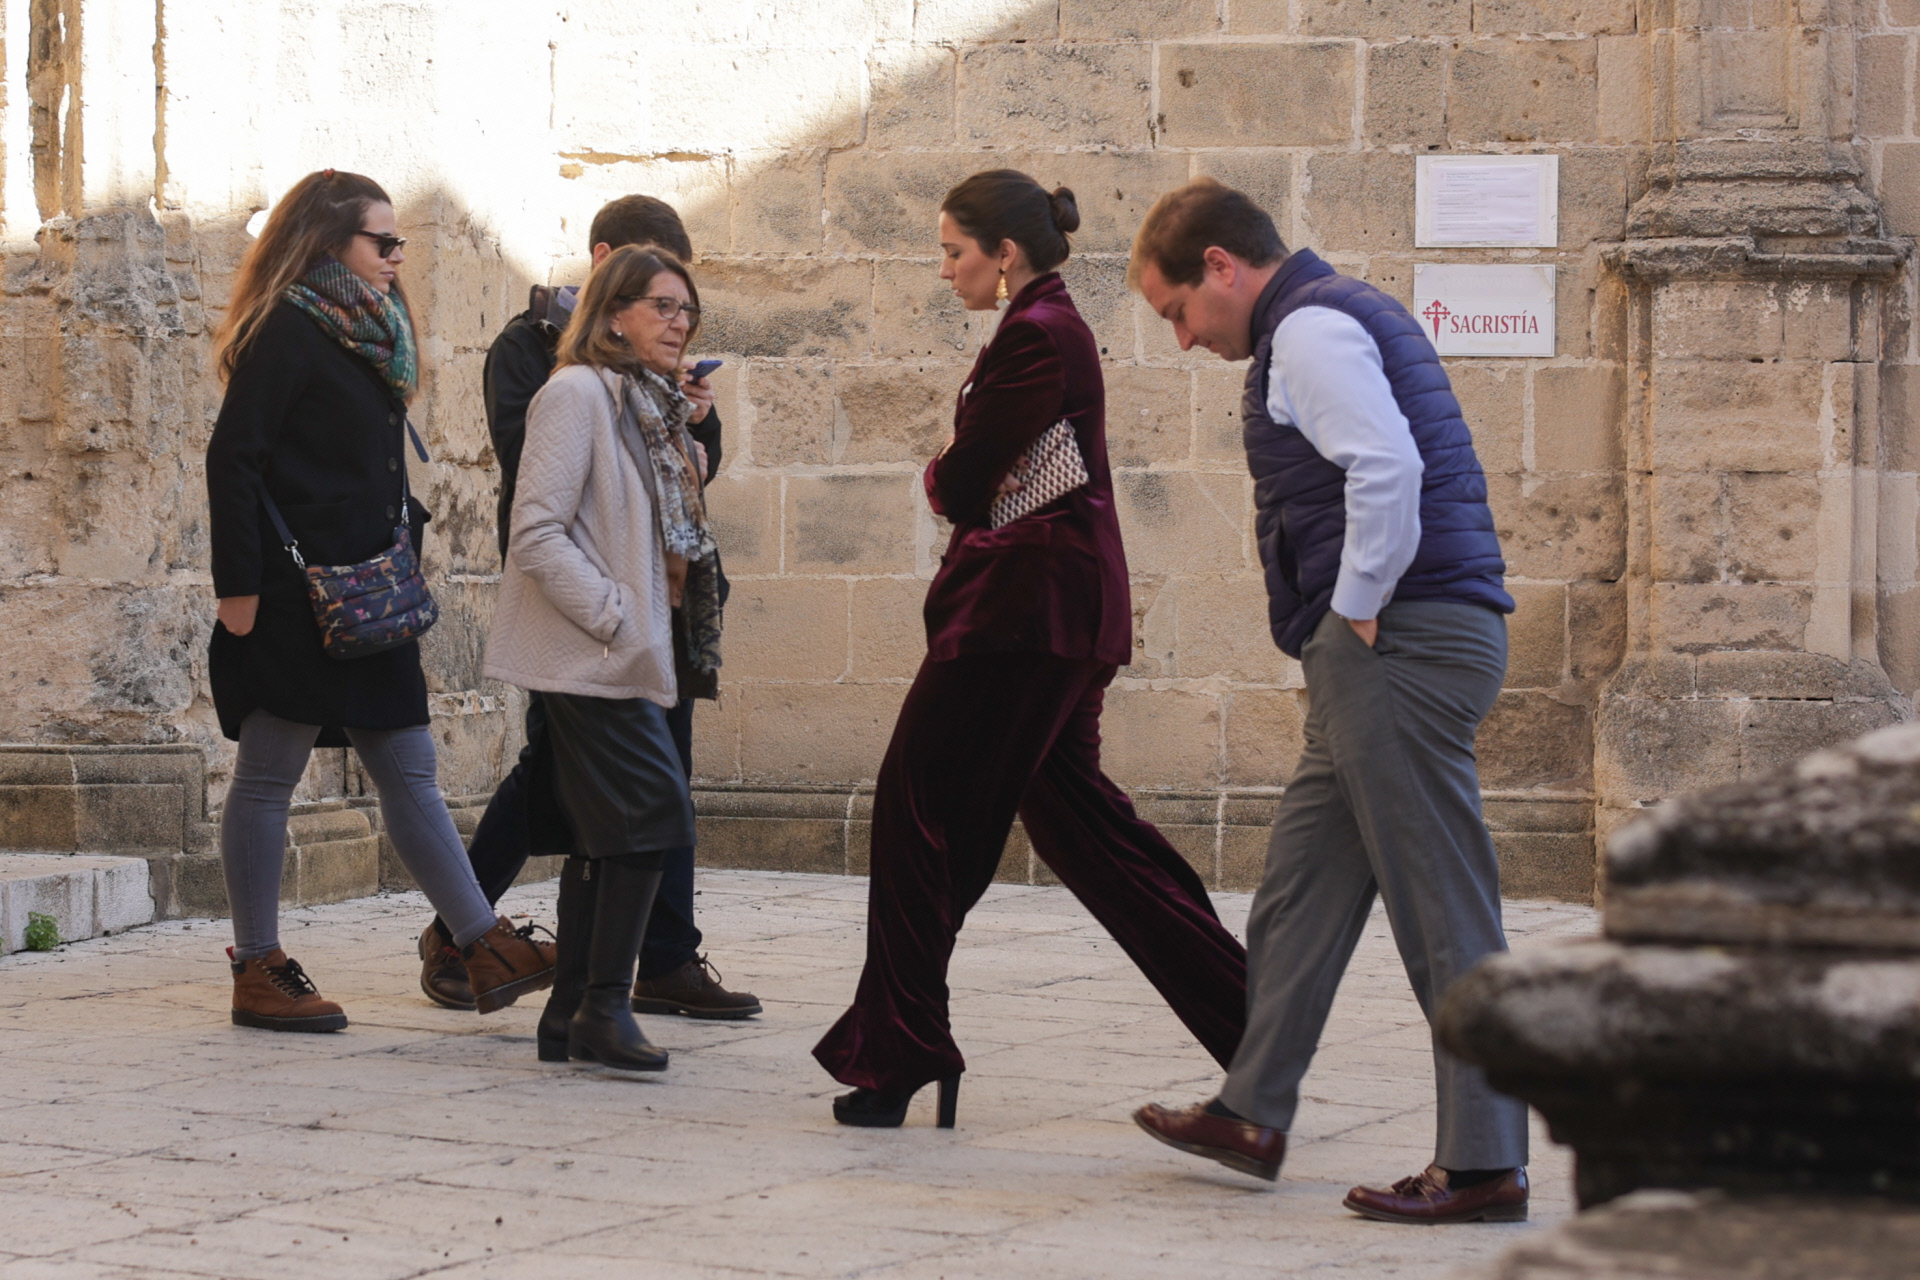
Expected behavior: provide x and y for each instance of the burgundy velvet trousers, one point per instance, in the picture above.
(981, 738)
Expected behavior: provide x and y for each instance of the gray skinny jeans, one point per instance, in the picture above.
(253, 828)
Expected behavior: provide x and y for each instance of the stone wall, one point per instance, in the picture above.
(1707, 498)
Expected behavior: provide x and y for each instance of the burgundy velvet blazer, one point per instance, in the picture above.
(1054, 581)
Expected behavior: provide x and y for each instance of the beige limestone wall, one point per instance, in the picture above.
(807, 145)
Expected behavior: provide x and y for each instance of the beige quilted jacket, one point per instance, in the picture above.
(583, 602)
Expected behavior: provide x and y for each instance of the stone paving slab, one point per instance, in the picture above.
(142, 1135)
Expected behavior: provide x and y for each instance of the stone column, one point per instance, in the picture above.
(1756, 281)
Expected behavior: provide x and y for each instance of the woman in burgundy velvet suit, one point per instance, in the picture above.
(1026, 625)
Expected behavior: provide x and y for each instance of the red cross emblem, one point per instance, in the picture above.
(1436, 312)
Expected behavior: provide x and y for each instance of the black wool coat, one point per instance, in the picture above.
(315, 426)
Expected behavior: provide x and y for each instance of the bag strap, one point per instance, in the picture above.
(292, 544)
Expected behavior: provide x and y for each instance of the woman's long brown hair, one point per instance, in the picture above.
(627, 273)
(318, 216)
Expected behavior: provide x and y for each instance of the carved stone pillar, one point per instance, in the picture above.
(1756, 275)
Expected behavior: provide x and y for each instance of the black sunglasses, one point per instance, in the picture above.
(386, 244)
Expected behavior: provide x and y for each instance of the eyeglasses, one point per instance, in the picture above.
(666, 308)
(385, 243)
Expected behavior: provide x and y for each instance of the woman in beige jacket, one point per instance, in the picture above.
(609, 539)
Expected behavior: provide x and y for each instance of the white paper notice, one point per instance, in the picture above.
(1487, 200)
(1485, 309)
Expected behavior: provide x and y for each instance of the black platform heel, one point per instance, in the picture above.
(885, 1109)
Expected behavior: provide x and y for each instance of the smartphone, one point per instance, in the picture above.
(702, 369)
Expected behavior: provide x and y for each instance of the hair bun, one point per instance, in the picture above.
(1066, 210)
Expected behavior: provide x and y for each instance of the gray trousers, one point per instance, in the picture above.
(253, 826)
(1386, 800)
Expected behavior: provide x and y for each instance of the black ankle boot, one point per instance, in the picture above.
(603, 1029)
(574, 925)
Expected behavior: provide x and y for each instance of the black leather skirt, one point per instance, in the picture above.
(618, 778)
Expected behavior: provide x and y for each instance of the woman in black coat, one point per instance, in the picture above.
(319, 356)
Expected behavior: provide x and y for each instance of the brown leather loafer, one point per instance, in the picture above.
(1426, 1198)
(692, 991)
(443, 975)
(1237, 1144)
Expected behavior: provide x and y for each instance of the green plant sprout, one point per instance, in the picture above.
(43, 931)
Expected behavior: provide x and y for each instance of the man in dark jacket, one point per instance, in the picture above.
(523, 818)
(1384, 578)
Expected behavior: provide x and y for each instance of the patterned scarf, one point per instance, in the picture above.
(371, 324)
(660, 410)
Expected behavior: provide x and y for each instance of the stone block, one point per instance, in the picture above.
(52, 886)
(1526, 813)
(1137, 19)
(1880, 105)
(850, 524)
(1360, 202)
(1625, 89)
(1736, 416)
(1593, 196)
(1492, 395)
(1263, 176)
(1265, 733)
(787, 307)
(716, 736)
(1149, 416)
(1900, 417)
(1718, 320)
(787, 629)
(332, 855)
(816, 733)
(1544, 17)
(695, 183)
(924, 317)
(1899, 187)
(795, 414)
(1818, 322)
(1512, 90)
(1537, 636)
(1779, 731)
(1899, 624)
(1647, 749)
(745, 510)
(1256, 95)
(1243, 856)
(1113, 189)
(1769, 675)
(1688, 517)
(1221, 630)
(1217, 425)
(889, 630)
(962, 21)
(813, 845)
(1100, 294)
(896, 412)
(1406, 93)
(1161, 738)
(1560, 526)
(1579, 418)
(806, 97)
(776, 202)
(1557, 866)
(1771, 524)
(886, 201)
(1069, 95)
(910, 96)
(1182, 522)
(1380, 18)
(1529, 741)
(1698, 617)
(122, 895)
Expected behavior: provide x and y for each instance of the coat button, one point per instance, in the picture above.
(393, 464)
(392, 514)
(393, 419)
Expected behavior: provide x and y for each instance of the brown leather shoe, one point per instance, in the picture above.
(274, 993)
(443, 976)
(1426, 1198)
(1237, 1144)
(693, 991)
(505, 963)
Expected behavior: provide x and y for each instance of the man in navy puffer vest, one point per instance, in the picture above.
(1383, 577)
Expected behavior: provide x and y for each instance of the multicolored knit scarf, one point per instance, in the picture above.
(371, 324)
(660, 410)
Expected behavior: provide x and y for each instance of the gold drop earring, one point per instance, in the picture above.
(1000, 293)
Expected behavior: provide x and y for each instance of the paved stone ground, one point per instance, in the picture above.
(143, 1135)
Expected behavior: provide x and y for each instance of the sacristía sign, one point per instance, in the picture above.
(1485, 309)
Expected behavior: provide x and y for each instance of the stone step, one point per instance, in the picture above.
(87, 895)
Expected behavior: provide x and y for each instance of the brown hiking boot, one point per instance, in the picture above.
(443, 976)
(693, 991)
(275, 994)
(505, 963)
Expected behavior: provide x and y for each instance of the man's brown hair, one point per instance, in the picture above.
(640, 220)
(1188, 220)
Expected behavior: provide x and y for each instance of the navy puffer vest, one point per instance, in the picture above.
(1301, 497)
